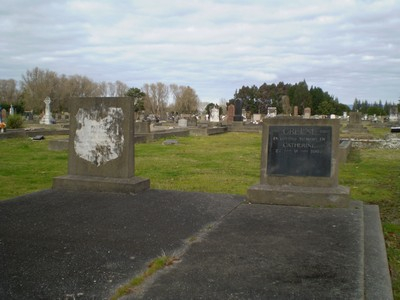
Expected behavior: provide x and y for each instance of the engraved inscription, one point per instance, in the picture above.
(299, 151)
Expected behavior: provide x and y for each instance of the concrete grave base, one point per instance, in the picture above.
(101, 184)
(338, 196)
(58, 244)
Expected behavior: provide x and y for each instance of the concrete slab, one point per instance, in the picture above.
(272, 252)
(69, 245)
(58, 244)
(378, 284)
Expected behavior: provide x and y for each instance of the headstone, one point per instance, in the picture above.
(182, 123)
(286, 105)
(299, 164)
(295, 111)
(101, 147)
(307, 113)
(272, 112)
(214, 115)
(345, 115)
(238, 111)
(142, 127)
(244, 114)
(394, 114)
(355, 124)
(3, 115)
(47, 118)
(257, 118)
(332, 116)
(231, 113)
(12, 112)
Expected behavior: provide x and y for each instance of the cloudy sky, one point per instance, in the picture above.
(349, 48)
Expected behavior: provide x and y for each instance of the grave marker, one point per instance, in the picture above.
(299, 164)
(101, 147)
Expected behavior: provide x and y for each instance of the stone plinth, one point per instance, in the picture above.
(299, 164)
(101, 147)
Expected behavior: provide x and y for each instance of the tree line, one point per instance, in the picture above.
(37, 84)
(376, 108)
(258, 99)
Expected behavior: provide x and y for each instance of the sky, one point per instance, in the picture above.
(349, 48)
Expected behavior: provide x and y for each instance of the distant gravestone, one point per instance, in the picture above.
(394, 114)
(214, 115)
(307, 113)
(299, 164)
(238, 111)
(3, 115)
(355, 123)
(295, 111)
(272, 112)
(231, 113)
(256, 118)
(182, 123)
(12, 111)
(47, 118)
(286, 105)
(101, 147)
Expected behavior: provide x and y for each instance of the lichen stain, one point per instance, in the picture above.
(99, 136)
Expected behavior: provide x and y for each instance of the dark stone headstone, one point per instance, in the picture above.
(299, 164)
(238, 111)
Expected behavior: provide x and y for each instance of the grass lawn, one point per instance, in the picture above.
(226, 163)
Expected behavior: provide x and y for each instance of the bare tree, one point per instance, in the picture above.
(8, 90)
(155, 101)
(37, 85)
(102, 89)
(120, 89)
(186, 99)
(111, 89)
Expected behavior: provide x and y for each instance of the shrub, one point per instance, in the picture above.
(14, 121)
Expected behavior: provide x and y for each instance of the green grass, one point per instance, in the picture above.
(226, 163)
(156, 265)
(374, 177)
(27, 166)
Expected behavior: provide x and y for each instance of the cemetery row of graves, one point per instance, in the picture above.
(232, 160)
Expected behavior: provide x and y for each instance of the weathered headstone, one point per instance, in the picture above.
(355, 124)
(3, 115)
(214, 115)
(299, 164)
(101, 147)
(182, 123)
(47, 118)
(231, 113)
(307, 113)
(12, 111)
(272, 112)
(295, 111)
(257, 118)
(286, 105)
(394, 113)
